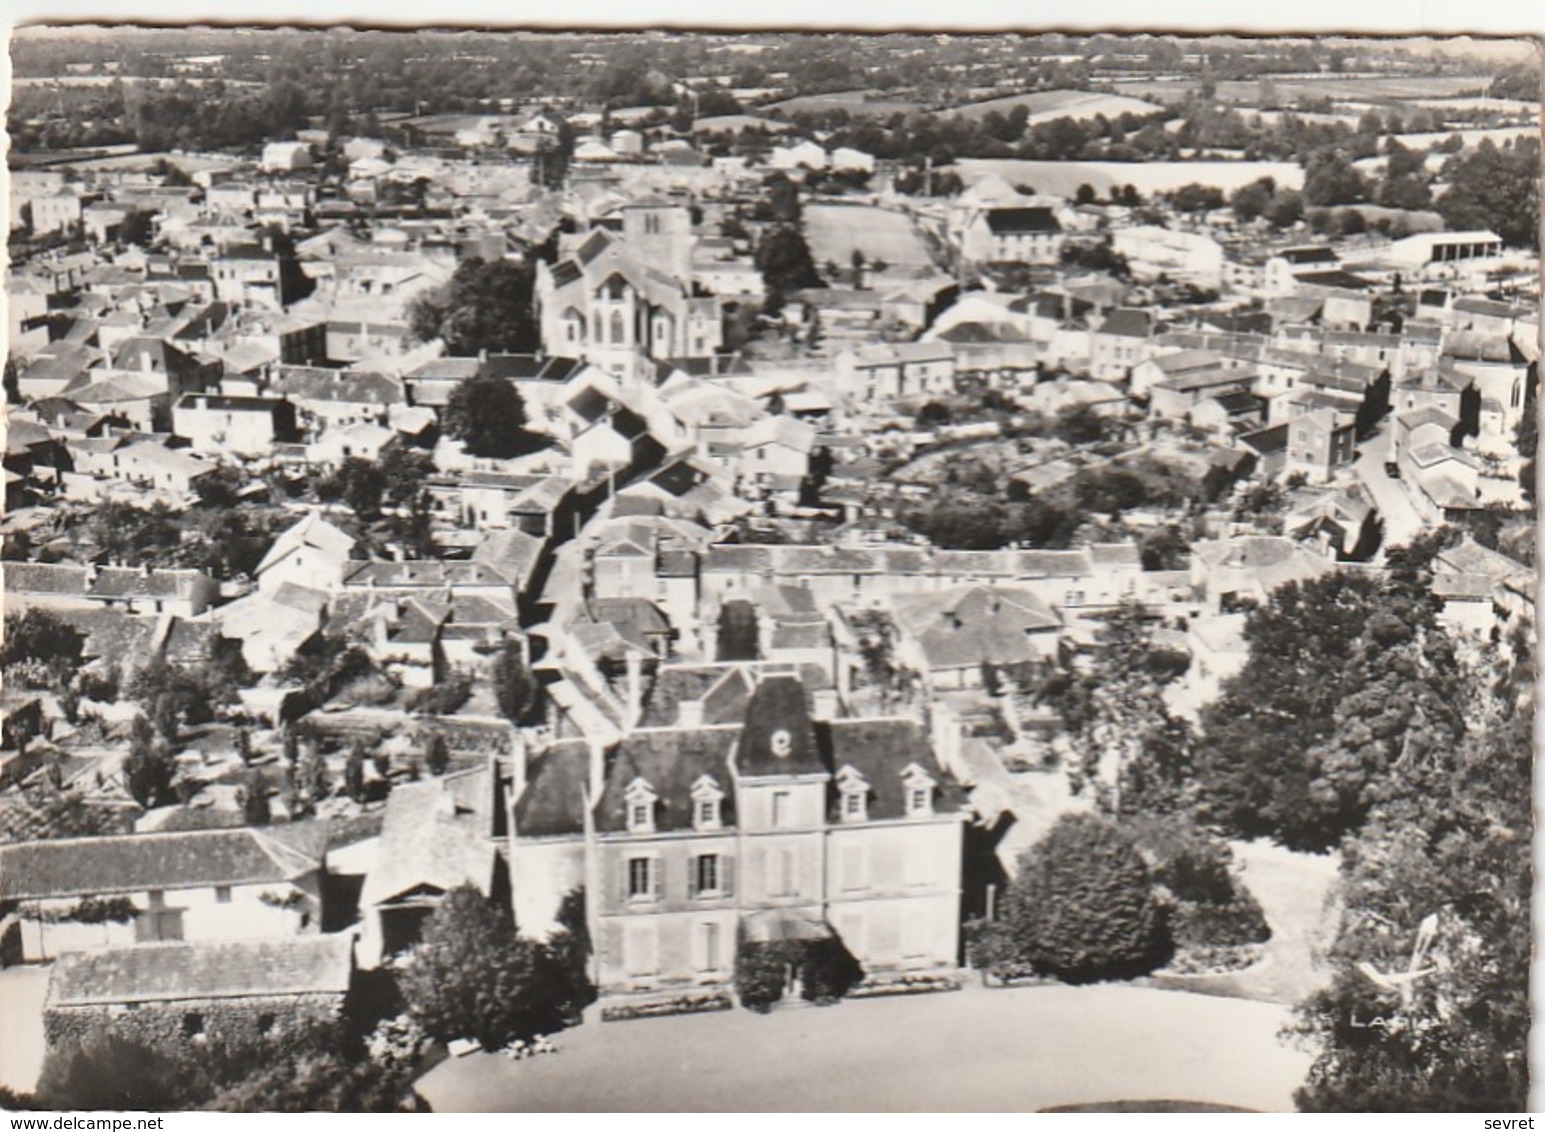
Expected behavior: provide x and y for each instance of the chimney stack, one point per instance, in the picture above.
(635, 665)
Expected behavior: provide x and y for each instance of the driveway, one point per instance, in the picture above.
(978, 1050)
(22, 990)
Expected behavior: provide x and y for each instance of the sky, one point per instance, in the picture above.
(1505, 17)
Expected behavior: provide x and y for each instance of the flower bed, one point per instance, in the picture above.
(1213, 960)
(904, 984)
(659, 1007)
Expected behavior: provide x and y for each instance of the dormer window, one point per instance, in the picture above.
(707, 804)
(919, 786)
(640, 800)
(853, 790)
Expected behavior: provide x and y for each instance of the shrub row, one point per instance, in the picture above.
(659, 1007)
(1234, 924)
(882, 986)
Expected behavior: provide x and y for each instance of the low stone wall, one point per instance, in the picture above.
(163, 1024)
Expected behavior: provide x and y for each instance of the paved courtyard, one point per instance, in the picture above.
(1021, 1049)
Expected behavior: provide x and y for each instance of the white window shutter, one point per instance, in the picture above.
(657, 877)
(727, 875)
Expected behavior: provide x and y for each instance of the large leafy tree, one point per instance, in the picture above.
(472, 976)
(1083, 906)
(1347, 674)
(518, 693)
(1436, 891)
(1495, 188)
(487, 415)
(131, 535)
(149, 769)
(1527, 438)
(1250, 201)
(785, 262)
(738, 632)
(486, 306)
(360, 484)
(405, 469)
(41, 637)
(1124, 738)
(1331, 179)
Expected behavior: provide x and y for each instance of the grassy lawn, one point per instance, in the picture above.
(1045, 105)
(977, 1050)
(835, 230)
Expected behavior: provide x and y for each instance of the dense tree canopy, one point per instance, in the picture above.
(487, 415)
(149, 769)
(472, 976)
(1439, 882)
(1332, 180)
(1125, 742)
(784, 260)
(485, 307)
(39, 637)
(359, 483)
(1497, 189)
(1083, 907)
(1348, 676)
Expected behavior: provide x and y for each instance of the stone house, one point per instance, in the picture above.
(190, 993)
(196, 886)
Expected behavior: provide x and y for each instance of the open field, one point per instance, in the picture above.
(1363, 88)
(1046, 105)
(834, 230)
(1496, 105)
(1291, 89)
(450, 123)
(1471, 138)
(859, 102)
(1062, 178)
(977, 1050)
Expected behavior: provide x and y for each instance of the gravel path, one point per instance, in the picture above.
(1020, 1049)
(1293, 890)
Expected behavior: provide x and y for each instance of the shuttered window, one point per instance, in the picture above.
(642, 879)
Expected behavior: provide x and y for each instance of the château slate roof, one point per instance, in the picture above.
(778, 707)
(881, 750)
(553, 802)
(671, 761)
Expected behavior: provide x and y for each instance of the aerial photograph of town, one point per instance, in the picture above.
(691, 570)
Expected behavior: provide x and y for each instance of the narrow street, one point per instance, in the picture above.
(1390, 495)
